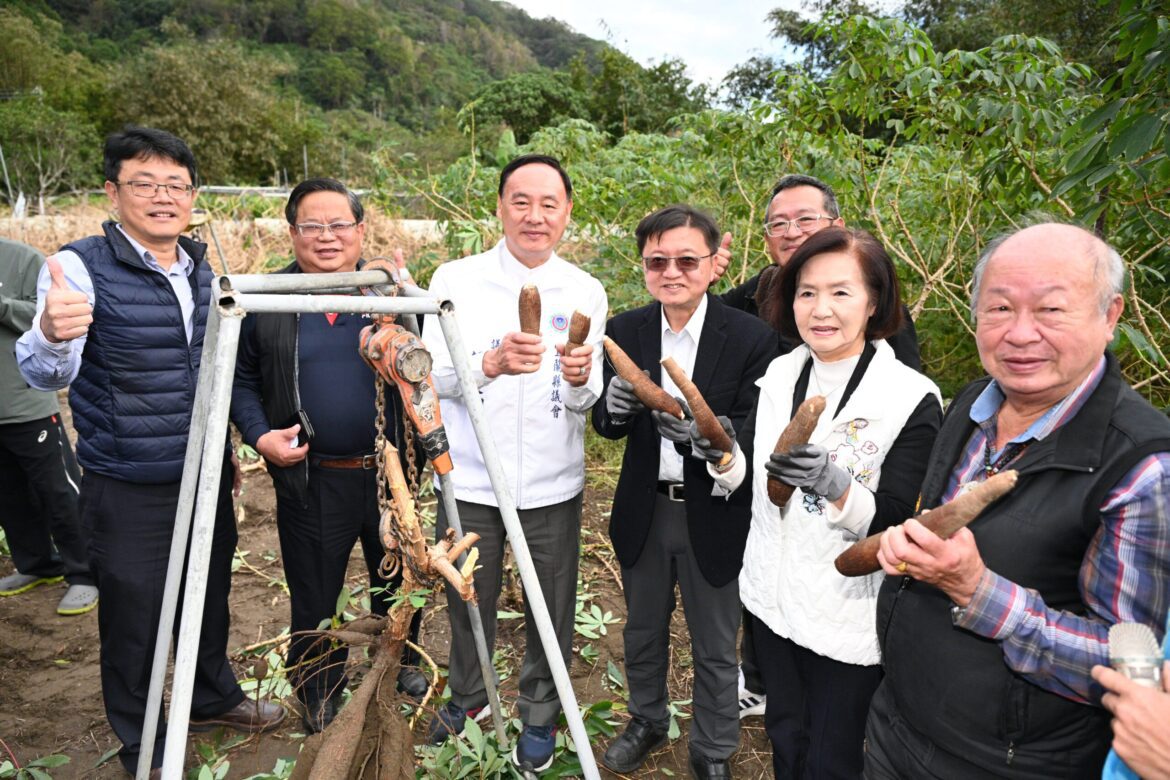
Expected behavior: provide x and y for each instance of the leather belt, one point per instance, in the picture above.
(672, 490)
(356, 462)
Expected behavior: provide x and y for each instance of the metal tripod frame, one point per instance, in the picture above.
(234, 297)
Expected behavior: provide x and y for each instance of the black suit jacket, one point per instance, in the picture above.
(734, 351)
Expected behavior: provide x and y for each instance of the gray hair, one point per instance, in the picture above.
(1108, 267)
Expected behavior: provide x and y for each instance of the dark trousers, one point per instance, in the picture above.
(39, 482)
(752, 679)
(816, 720)
(315, 543)
(130, 526)
(713, 617)
(553, 534)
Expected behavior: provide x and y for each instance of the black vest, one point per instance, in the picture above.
(954, 687)
(133, 395)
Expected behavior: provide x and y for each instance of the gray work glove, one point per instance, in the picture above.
(808, 466)
(702, 449)
(670, 427)
(620, 401)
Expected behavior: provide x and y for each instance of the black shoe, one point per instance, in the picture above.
(630, 749)
(704, 768)
(318, 715)
(412, 682)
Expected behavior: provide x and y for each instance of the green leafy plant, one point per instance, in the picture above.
(33, 770)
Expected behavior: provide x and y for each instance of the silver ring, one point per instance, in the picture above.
(582, 370)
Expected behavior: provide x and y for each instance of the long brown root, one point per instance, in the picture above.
(653, 396)
(530, 310)
(579, 325)
(797, 432)
(861, 558)
(704, 418)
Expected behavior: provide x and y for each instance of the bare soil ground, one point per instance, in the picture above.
(50, 689)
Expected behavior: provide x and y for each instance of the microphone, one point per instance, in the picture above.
(1133, 651)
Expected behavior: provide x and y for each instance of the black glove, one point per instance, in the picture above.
(808, 466)
(670, 427)
(702, 449)
(620, 401)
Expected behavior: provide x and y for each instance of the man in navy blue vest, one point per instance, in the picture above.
(295, 369)
(988, 637)
(120, 319)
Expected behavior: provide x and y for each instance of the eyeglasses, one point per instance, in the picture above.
(779, 227)
(684, 263)
(148, 189)
(314, 229)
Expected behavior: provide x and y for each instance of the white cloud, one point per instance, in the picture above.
(710, 37)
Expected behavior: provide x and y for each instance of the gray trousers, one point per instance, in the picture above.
(713, 618)
(553, 534)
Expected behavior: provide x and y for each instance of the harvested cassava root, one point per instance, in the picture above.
(578, 331)
(530, 309)
(704, 418)
(861, 558)
(650, 394)
(797, 432)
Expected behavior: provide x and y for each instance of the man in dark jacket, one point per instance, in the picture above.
(305, 399)
(120, 318)
(38, 474)
(669, 521)
(988, 637)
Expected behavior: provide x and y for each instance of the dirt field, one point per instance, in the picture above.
(50, 693)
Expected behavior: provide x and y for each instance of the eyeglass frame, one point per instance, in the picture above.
(772, 231)
(646, 262)
(332, 227)
(185, 190)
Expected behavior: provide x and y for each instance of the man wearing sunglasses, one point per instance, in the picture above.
(669, 522)
(120, 319)
(291, 371)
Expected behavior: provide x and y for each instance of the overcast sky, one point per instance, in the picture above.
(710, 36)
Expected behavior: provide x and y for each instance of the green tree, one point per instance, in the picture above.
(47, 150)
(525, 103)
(223, 101)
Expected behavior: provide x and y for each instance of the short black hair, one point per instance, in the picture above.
(322, 184)
(535, 159)
(791, 180)
(676, 216)
(133, 142)
(881, 280)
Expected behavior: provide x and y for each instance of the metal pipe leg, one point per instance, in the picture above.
(201, 538)
(162, 644)
(532, 591)
(447, 492)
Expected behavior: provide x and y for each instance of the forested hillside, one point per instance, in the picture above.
(260, 87)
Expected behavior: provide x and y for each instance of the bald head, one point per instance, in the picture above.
(1046, 302)
(1073, 243)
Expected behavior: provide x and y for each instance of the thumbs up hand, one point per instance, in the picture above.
(67, 312)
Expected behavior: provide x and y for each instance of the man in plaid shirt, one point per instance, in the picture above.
(988, 637)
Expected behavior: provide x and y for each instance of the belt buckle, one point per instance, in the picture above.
(670, 491)
(369, 461)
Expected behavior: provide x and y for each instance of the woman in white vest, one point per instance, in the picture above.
(860, 472)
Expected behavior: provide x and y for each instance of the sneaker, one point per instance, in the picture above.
(534, 748)
(751, 704)
(78, 600)
(412, 682)
(451, 719)
(18, 583)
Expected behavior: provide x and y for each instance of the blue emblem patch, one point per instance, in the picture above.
(559, 322)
